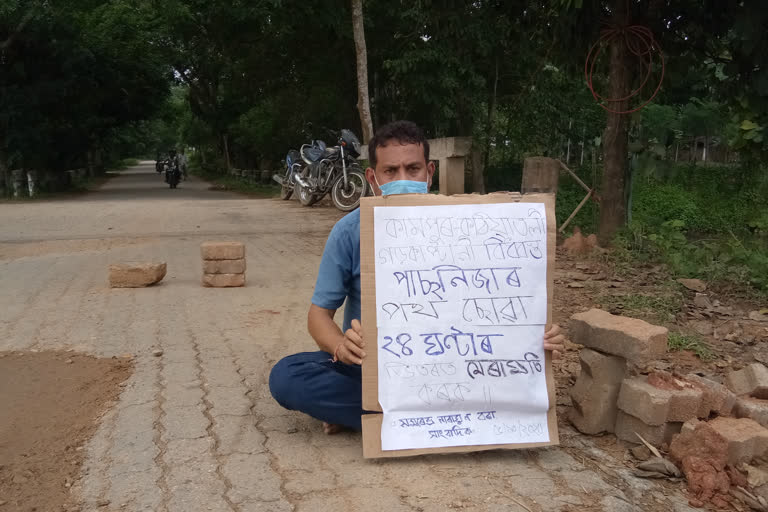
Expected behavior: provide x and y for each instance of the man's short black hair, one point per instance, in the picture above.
(403, 132)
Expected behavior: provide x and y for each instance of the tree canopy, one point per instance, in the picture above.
(243, 82)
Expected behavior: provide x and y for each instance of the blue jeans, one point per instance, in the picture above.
(309, 382)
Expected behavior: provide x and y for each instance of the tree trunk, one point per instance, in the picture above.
(568, 147)
(583, 131)
(481, 159)
(613, 208)
(225, 145)
(5, 181)
(363, 102)
(478, 171)
(706, 147)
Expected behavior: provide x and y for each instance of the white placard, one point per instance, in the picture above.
(461, 304)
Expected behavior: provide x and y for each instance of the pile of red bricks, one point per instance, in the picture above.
(223, 264)
(609, 397)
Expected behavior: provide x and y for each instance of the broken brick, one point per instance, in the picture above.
(746, 438)
(656, 406)
(752, 381)
(627, 425)
(717, 398)
(137, 275)
(753, 408)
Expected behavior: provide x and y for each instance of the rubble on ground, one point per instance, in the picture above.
(714, 430)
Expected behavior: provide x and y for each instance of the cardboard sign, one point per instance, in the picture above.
(464, 289)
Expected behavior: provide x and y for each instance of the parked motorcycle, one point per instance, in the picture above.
(172, 173)
(331, 170)
(293, 166)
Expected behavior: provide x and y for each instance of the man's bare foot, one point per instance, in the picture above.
(332, 428)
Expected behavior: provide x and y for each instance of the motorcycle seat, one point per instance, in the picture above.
(312, 154)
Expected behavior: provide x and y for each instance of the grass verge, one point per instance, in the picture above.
(230, 183)
(679, 341)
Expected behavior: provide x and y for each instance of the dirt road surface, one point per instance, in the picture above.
(196, 428)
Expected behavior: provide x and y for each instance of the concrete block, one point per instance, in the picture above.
(224, 266)
(223, 280)
(136, 275)
(753, 408)
(656, 406)
(627, 425)
(594, 405)
(752, 381)
(595, 392)
(602, 367)
(630, 338)
(222, 250)
(717, 398)
(746, 438)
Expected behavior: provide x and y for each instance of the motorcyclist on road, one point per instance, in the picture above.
(173, 164)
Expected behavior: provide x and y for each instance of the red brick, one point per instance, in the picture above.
(655, 406)
(746, 438)
(222, 250)
(224, 266)
(627, 425)
(690, 425)
(136, 275)
(717, 398)
(701, 441)
(753, 408)
(223, 280)
(630, 338)
(595, 392)
(752, 381)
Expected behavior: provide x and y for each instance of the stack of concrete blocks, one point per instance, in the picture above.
(223, 264)
(606, 398)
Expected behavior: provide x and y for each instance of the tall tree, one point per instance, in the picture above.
(688, 31)
(361, 53)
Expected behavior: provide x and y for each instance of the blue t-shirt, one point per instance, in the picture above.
(338, 278)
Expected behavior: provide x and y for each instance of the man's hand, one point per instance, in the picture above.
(350, 350)
(554, 341)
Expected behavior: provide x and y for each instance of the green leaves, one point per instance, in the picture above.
(748, 125)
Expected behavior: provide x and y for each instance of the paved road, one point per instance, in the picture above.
(196, 429)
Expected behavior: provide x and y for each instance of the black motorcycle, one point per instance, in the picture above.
(172, 173)
(331, 170)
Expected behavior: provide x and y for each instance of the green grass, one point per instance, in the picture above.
(678, 341)
(128, 162)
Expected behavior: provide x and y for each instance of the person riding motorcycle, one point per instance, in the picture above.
(172, 165)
